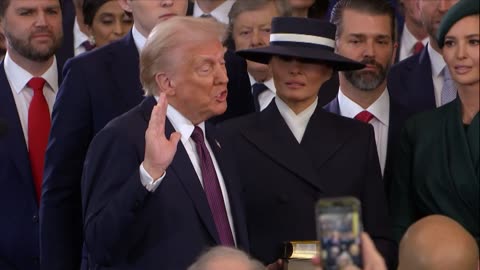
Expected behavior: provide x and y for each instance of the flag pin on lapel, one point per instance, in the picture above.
(218, 144)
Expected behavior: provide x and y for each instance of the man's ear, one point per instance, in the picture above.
(165, 84)
(125, 4)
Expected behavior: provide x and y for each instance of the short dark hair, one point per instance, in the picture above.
(90, 8)
(373, 7)
(5, 3)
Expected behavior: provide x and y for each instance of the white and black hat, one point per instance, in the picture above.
(304, 38)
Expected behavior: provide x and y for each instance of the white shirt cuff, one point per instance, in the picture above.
(147, 181)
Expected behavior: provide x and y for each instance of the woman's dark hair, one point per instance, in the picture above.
(90, 8)
(318, 9)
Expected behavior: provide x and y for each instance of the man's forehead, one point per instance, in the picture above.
(356, 22)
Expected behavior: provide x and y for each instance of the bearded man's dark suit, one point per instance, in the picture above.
(19, 228)
(283, 179)
(127, 227)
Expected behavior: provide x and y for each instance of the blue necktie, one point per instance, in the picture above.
(257, 89)
(449, 90)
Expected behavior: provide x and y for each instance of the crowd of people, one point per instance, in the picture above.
(179, 134)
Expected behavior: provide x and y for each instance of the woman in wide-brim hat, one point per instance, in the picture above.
(293, 152)
(437, 165)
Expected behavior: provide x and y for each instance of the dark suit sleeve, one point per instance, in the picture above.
(5, 265)
(112, 196)
(401, 200)
(60, 210)
(375, 209)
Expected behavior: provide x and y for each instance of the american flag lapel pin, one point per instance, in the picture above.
(218, 144)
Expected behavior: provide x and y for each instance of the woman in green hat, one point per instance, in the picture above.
(437, 163)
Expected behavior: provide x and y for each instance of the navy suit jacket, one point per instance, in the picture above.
(398, 115)
(19, 228)
(283, 179)
(66, 51)
(410, 83)
(98, 86)
(127, 227)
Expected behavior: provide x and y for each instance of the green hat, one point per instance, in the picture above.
(458, 11)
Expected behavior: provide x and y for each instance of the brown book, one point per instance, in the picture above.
(297, 255)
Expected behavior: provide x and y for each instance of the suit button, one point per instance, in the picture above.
(35, 219)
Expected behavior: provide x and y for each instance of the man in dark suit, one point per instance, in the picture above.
(370, 24)
(98, 86)
(293, 152)
(412, 36)
(417, 82)
(29, 82)
(148, 200)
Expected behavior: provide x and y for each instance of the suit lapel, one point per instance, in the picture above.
(125, 70)
(422, 93)
(14, 141)
(322, 138)
(333, 106)
(182, 167)
(272, 136)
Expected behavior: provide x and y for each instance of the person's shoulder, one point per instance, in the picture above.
(94, 59)
(427, 120)
(406, 64)
(234, 125)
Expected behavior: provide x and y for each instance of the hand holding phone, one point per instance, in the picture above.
(339, 229)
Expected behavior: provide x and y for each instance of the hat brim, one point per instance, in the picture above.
(264, 54)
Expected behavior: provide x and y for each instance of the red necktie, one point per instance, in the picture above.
(38, 129)
(212, 189)
(418, 47)
(364, 116)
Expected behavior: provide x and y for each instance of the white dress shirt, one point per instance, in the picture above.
(78, 38)
(138, 38)
(381, 110)
(407, 43)
(185, 127)
(266, 96)
(296, 122)
(438, 64)
(22, 94)
(220, 13)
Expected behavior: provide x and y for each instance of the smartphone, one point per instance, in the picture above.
(339, 228)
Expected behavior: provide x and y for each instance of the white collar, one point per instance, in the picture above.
(138, 38)
(436, 60)
(296, 122)
(268, 83)
(220, 13)
(78, 36)
(380, 108)
(408, 40)
(19, 77)
(181, 124)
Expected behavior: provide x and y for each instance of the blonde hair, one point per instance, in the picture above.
(166, 38)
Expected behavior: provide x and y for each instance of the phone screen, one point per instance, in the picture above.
(339, 228)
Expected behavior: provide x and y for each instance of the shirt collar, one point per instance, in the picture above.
(268, 83)
(220, 13)
(19, 77)
(380, 108)
(78, 36)
(138, 38)
(291, 117)
(436, 60)
(408, 40)
(181, 124)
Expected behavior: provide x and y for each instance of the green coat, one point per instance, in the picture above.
(436, 170)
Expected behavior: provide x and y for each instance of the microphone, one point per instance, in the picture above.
(3, 128)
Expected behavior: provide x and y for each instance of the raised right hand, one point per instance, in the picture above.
(159, 151)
